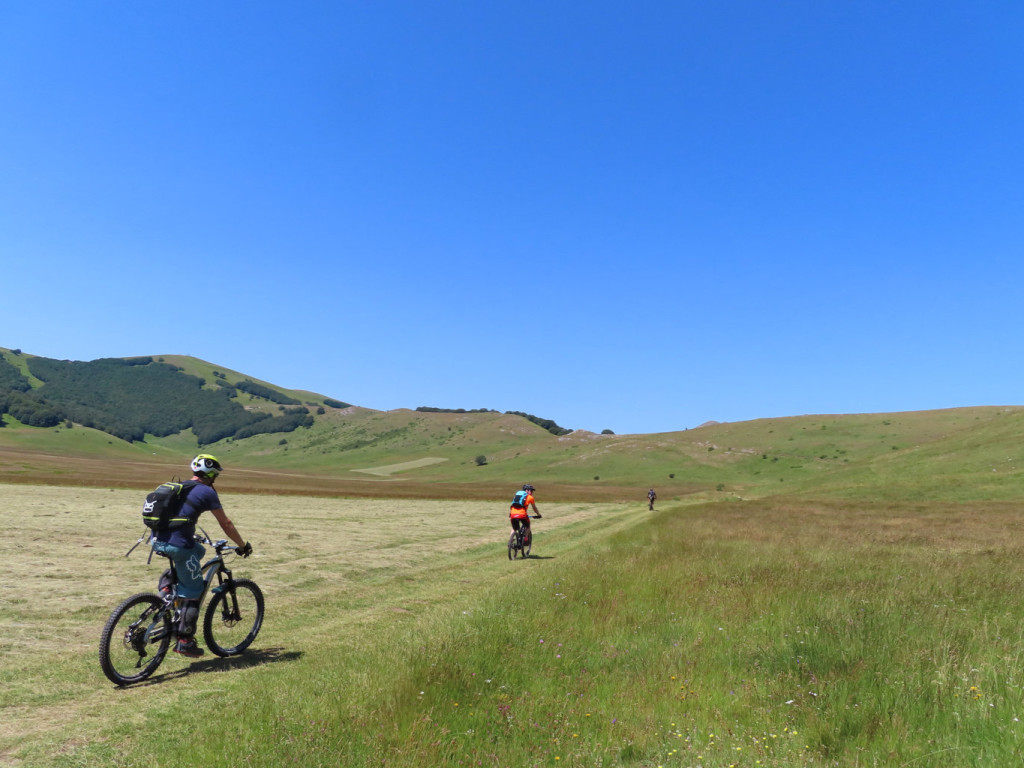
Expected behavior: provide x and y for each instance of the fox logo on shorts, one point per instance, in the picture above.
(195, 567)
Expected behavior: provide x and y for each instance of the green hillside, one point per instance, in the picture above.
(135, 397)
(314, 443)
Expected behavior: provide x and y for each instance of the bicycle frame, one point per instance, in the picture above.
(523, 529)
(136, 636)
(215, 567)
(518, 542)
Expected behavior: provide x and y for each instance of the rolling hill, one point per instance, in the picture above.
(335, 448)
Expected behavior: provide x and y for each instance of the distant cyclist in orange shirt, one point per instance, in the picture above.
(519, 512)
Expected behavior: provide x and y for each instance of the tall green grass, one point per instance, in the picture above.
(726, 635)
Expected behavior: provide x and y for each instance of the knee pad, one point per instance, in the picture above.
(189, 616)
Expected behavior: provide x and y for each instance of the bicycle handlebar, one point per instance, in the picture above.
(219, 545)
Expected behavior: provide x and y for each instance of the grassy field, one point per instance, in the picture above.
(339, 576)
(759, 633)
(955, 455)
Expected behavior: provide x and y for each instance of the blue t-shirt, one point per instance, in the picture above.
(201, 498)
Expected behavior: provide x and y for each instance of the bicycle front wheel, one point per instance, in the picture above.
(233, 618)
(134, 640)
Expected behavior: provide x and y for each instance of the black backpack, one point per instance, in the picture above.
(161, 512)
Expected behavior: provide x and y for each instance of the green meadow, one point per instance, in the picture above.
(784, 631)
(829, 590)
(963, 454)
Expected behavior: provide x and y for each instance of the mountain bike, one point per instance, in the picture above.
(138, 633)
(518, 544)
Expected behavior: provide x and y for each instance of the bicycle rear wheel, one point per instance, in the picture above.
(527, 543)
(517, 545)
(233, 618)
(135, 638)
(512, 546)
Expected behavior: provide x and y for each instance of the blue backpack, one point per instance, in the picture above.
(519, 500)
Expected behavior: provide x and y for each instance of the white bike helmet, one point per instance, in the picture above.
(206, 465)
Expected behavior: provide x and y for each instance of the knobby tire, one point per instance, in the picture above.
(126, 655)
(233, 618)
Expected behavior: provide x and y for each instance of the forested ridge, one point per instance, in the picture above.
(129, 398)
(547, 424)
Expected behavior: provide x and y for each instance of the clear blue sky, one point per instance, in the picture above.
(637, 216)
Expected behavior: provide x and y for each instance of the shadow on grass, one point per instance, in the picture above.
(217, 664)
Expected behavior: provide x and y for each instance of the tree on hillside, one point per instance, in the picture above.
(30, 411)
(258, 390)
(12, 378)
(547, 424)
(429, 409)
(132, 398)
(286, 423)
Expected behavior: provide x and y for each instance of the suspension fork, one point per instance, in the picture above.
(226, 586)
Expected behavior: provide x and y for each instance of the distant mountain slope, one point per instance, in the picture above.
(276, 439)
(132, 398)
(147, 398)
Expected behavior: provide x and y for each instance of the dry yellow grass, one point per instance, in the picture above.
(64, 571)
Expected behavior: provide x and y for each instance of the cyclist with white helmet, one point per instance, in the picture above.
(180, 546)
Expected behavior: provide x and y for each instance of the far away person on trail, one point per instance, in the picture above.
(651, 496)
(180, 546)
(519, 512)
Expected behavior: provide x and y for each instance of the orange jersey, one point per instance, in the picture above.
(524, 512)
